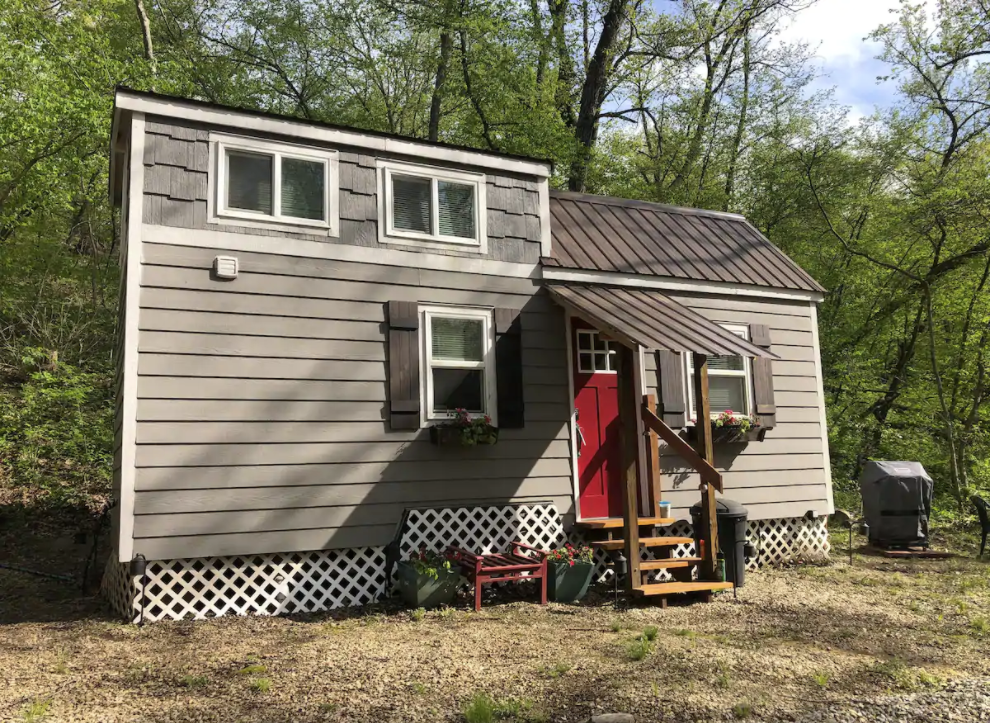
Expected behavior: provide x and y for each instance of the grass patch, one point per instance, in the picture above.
(36, 710)
(650, 632)
(979, 626)
(618, 626)
(418, 688)
(905, 677)
(61, 662)
(557, 669)
(194, 681)
(742, 711)
(685, 633)
(822, 679)
(261, 685)
(418, 614)
(723, 677)
(639, 648)
(253, 669)
(482, 708)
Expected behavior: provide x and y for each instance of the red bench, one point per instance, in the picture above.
(521, 563)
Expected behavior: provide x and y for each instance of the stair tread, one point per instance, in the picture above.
(668, 564)
(644, 542)
(610, 523)
(668, 588)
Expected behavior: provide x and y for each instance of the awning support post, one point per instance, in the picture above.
(630, 385)
(703, 428)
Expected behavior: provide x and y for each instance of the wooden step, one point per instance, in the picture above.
(670, 588)
(671, 564)
(644, 542)
(611, 523)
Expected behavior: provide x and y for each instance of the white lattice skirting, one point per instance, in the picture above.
(274, 584)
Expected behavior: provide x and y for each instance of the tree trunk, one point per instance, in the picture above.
(730, 176)
(593, 92)
(564, 97)
(446, 45)
(149, 50)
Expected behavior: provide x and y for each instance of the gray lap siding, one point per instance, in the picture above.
(177, 159)
(785, 475)
(262, 406)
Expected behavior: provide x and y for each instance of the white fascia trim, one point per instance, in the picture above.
(642, 281)
(247, 121)
(572, 426)
(283, 246)
(132, 307)
(546, 235)
(822, 419)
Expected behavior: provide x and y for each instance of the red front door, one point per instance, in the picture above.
(596, 398)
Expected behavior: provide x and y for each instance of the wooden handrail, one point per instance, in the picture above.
(709, 475)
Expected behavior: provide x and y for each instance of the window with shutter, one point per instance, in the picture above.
(428, 205)
(730, 380)
(458, 362)
(259, 180)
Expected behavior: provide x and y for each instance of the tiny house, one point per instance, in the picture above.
(307, 309)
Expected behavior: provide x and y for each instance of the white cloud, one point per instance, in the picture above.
(836, 31)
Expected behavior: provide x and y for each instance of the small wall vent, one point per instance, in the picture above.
(225, 267)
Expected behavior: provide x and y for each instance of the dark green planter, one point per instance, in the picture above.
(566, 583)
(423, 591)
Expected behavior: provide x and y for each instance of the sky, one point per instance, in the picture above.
(837, 29)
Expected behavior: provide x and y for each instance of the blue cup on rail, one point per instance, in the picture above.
(664, 509)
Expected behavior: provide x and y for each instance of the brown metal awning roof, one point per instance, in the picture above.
(652, 320)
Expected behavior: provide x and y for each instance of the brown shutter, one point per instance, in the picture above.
(766, 409)
(508, 368)
(670, 385)
(403, 365)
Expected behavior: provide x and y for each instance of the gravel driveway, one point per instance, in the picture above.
(881, 641)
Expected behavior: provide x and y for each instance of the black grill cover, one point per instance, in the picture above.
(897, 502)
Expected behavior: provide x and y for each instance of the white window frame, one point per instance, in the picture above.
(388, 234)
(741, 330)
(610, 353)
(219, 165)
(427, 363)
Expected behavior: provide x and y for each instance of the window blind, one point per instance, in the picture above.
(303, 190)
(455, 339)
(456, 207)
(249, 181)
(411, 203)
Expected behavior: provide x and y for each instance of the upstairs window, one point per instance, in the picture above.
(432, 205)
(270, 182)
(459, 361)
(730, 380)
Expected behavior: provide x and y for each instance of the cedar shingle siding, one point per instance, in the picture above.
(176, 162)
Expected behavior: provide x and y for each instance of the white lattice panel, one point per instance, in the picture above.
(116, 587)
(483, 529)
(274, 584)
(791, 539)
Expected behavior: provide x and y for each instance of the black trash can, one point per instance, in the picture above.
(732, 519)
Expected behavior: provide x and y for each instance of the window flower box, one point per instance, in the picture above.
(731, 428)
(464, 431)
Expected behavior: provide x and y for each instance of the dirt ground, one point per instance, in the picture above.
(802, 643)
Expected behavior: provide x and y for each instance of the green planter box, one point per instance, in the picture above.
(423, 591)
(566, 583)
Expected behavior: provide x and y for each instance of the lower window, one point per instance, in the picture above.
(458, 351)
(730, 381)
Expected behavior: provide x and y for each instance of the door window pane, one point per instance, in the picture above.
(456, 209)
(411, 209)
(458, 389)
(303, 191)
(249, 182)
(455, 339)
